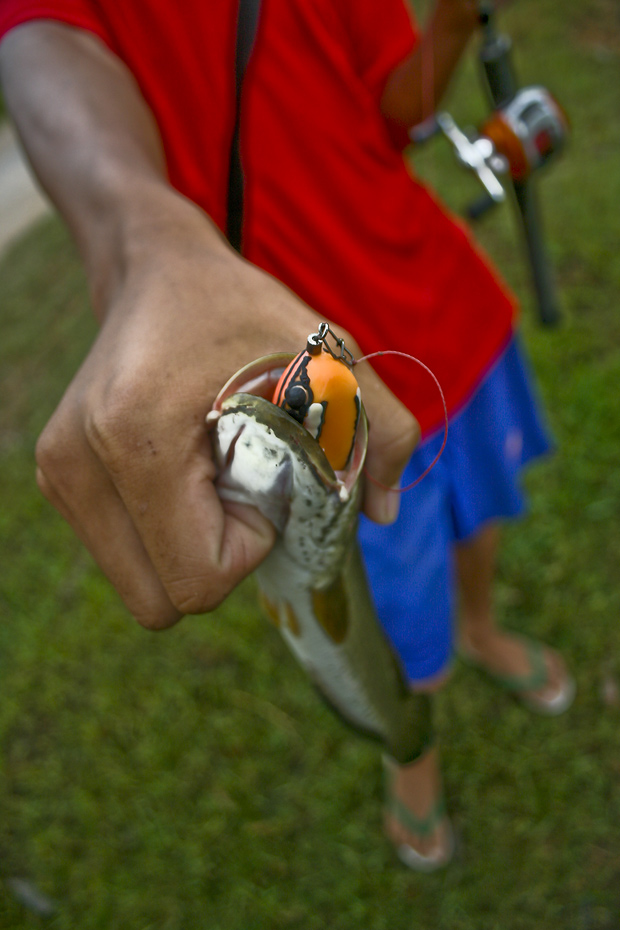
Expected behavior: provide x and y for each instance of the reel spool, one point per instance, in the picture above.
(528, 131)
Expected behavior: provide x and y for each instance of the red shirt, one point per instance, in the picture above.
(331, 207)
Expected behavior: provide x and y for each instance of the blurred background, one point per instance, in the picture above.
(192, 779)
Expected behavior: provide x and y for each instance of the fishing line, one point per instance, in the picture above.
(412, 358)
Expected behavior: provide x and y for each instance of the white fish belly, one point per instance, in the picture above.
(327, 662)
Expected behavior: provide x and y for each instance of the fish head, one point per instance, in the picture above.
(263, 454)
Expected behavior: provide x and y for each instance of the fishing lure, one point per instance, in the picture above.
(320, 391)
(313, 584)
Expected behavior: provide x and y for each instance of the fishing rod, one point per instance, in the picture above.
(527, 128)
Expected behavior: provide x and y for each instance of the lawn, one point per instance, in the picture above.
(192, 779)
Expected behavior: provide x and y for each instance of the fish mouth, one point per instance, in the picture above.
(259, 378)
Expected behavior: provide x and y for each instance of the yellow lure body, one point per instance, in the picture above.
(321, 393)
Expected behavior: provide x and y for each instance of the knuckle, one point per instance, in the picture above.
(105, 424)
(47, 451)
(113, 423)
(56, 456)
(44, 484)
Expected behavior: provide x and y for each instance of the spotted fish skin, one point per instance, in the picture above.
(313, 584)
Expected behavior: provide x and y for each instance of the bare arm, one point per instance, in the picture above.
(416, 86)
(125, 458)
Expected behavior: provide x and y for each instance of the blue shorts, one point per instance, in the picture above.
(410, 563)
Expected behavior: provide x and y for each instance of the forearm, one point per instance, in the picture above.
(95, 147)
(416, 86)
(125, 457)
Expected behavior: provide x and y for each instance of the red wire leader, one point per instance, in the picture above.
(412, 358)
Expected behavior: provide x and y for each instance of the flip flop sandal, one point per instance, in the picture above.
(418, 826)
(533, 680)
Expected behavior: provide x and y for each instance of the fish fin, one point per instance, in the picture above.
(292, 621)
(331, 610)
(269, 608)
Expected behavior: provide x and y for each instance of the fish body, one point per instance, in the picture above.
(313, 585)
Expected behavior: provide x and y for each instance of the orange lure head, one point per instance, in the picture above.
(320, 392)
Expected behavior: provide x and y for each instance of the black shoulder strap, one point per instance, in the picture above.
(247, 24)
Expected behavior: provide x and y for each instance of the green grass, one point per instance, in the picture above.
(191, 779)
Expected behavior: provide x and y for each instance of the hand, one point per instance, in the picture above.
(126, 458)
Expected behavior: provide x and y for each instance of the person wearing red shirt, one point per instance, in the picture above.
(127, 112)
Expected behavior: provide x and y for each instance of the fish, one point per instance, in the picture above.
(313, 584)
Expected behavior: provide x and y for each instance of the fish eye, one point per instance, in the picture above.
(296, 396)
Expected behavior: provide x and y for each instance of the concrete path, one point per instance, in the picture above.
(21, 202)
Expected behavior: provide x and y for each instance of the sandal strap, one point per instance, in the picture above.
(533, 680)
(418, 826)
(538, 675)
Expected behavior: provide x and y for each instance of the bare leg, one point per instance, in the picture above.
(501, 653)
(417, 787)
(418, 827)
